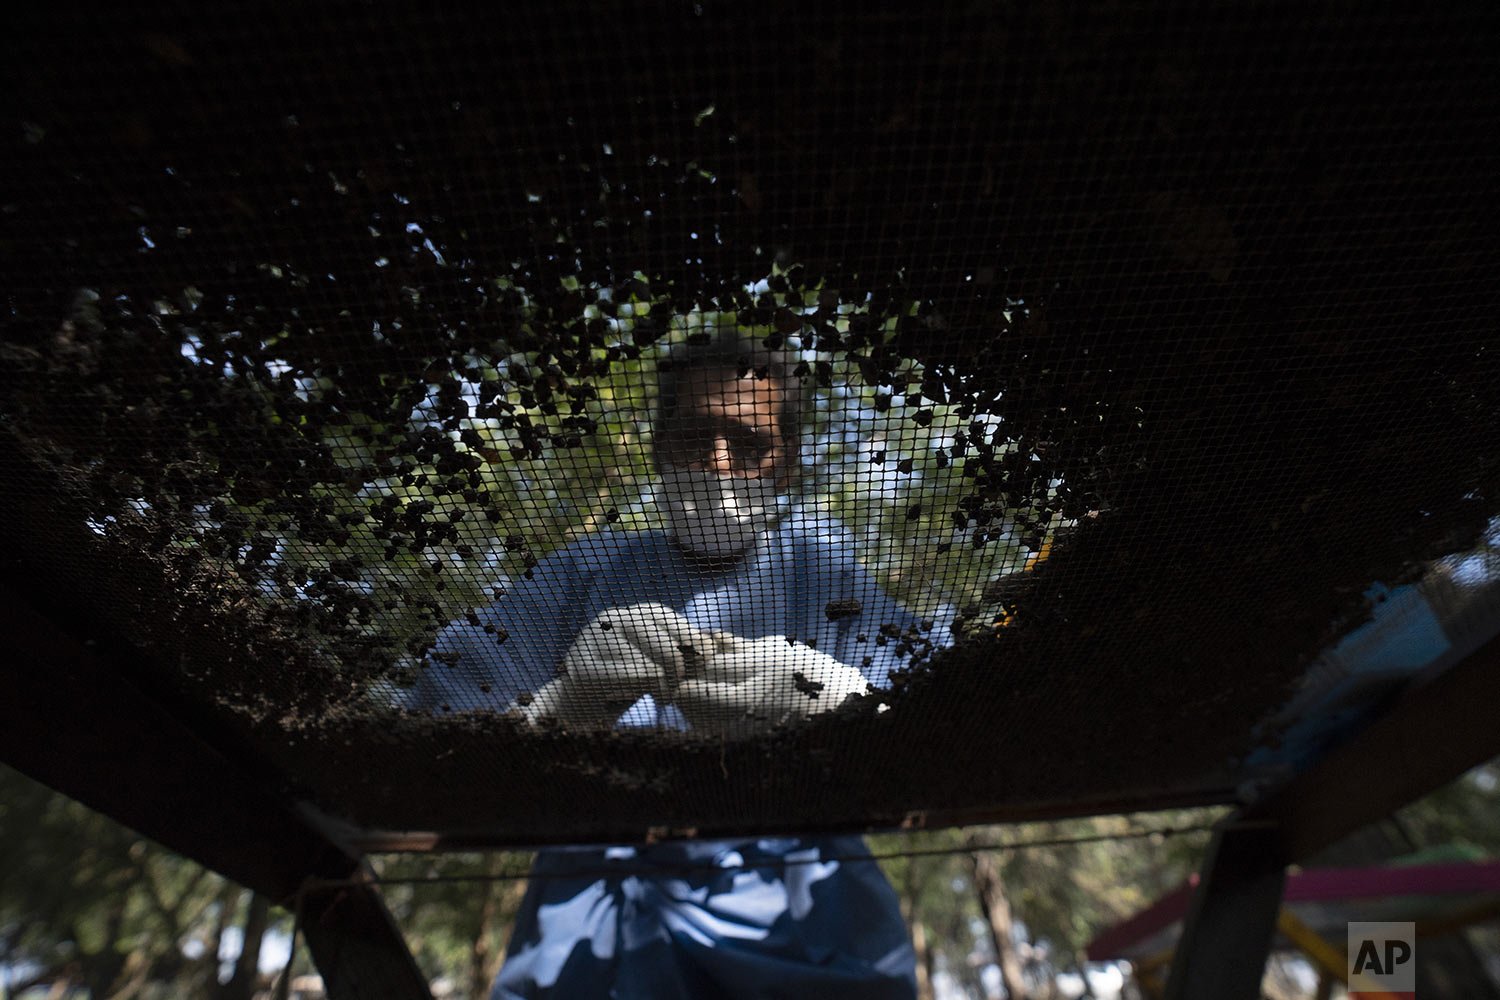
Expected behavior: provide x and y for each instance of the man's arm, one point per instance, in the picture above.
(508, 649)
(873, 632)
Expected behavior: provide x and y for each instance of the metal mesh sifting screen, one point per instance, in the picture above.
(531, 426)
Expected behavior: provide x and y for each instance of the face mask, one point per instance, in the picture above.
(715, 516)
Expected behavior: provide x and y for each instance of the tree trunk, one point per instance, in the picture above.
(923, 949)
(100, 969)
(996, 909)
(1081, 966)
(479, 950)
(507, 903)
(229, 896)
(241, 985)
(911, 912)
(133, 977)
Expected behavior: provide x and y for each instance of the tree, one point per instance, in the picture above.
(989, 890)
(1058, 895)
(457, 911)
(86, 902)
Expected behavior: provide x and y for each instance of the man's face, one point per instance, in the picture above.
(728, 426)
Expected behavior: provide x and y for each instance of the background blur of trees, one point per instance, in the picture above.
(546, 455)
(496, 458)
(89, 909)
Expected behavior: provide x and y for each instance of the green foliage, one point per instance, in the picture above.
(1062, 893)
(1464, 814)
(368, 504)
(85, 900)
(458, 923)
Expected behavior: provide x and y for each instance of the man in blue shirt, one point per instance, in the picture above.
(744, 614)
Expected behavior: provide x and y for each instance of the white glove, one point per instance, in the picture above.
(754, 683)
(622, 654)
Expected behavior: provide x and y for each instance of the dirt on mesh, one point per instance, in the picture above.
(1240, 317)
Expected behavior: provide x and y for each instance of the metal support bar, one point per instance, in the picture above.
(1428, 738)
(77, 724)
(1431, 736)
(1227, 933)
(358, 947)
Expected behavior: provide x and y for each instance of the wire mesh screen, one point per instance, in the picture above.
(534, 426)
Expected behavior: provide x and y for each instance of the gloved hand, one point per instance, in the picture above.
(754, 683)
(622, 654)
